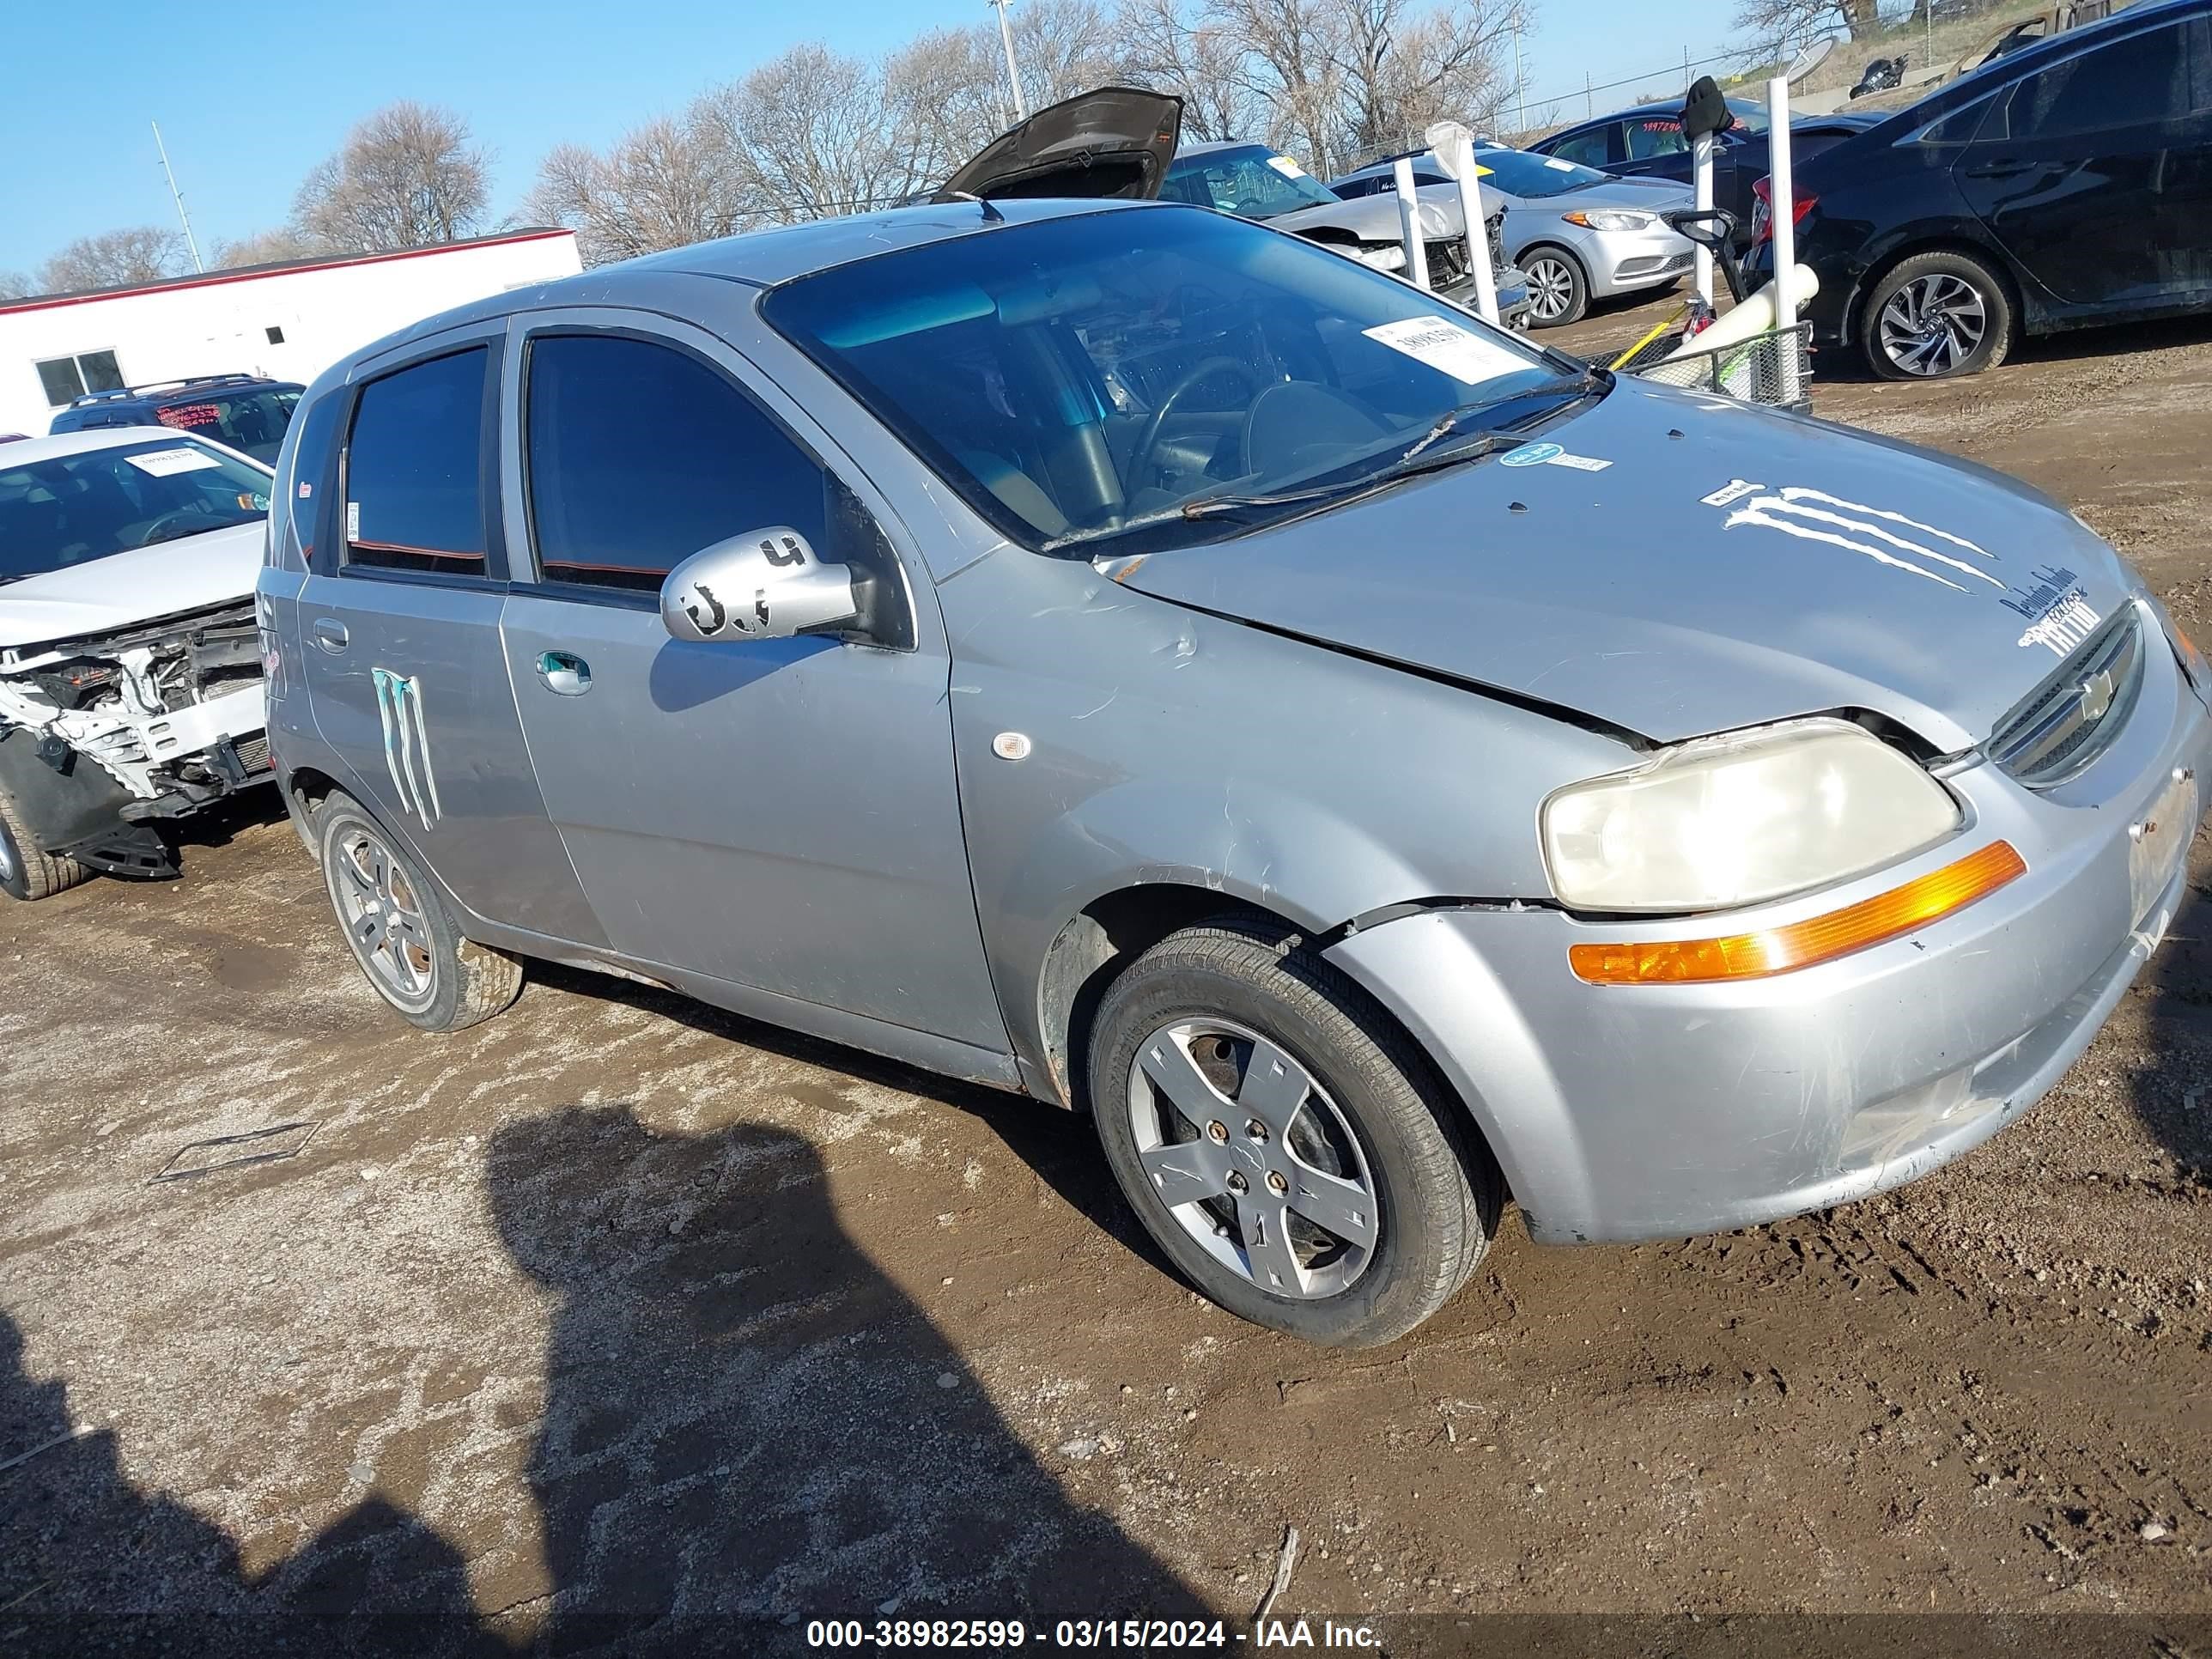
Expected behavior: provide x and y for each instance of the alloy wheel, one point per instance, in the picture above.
(1551, 287)
(1252, 1159)
(382, 915)
(7, 858)
(1932, 324)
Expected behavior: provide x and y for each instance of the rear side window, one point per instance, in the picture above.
(640, 455)
(2160, 75)
(414, 474)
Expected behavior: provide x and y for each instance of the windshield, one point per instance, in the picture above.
(1251, 182)
(251, 421)
(1078, 378)
(1518, 172)
(71, 509)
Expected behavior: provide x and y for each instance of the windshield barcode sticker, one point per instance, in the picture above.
(1448, 348)
(160, 462)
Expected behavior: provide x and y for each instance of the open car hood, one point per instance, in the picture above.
(1115, 141)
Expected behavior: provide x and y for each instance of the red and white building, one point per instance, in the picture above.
(290, 321)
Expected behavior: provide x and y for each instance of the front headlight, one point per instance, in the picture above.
(1612, 219)
(1734, 820)
(1389, 257)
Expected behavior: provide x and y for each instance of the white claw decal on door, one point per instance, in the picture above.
(407, 743)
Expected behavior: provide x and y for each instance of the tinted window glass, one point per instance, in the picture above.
(99, 372)
(1253, 182)
(1588, 149)
(251, 421)
(308, 466)
(58, 376)
(1655, 135)
(640, 455)
(2145, 79)
(414, 500)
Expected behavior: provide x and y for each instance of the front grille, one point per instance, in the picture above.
(253, 754)
(2073, 717)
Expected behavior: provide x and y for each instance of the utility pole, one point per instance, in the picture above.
(1013, 74)
(1520, 85)
(178, 196)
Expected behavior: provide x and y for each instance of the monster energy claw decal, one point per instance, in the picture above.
(407, 745)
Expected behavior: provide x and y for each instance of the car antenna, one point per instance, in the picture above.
(991, 214)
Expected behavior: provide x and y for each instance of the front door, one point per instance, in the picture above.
(779, 814)
(399, 622)
(2096, 173)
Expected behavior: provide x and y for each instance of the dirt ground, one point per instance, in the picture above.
(618, 1324)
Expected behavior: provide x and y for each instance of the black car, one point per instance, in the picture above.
(1647, 142)
(2066, 184)
(249, 412)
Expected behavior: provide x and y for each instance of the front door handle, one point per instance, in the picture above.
(564, 673)
(2006, 169)
(331, 635)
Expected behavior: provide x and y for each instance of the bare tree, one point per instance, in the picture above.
(1784, 26)
(1063, 47)
(409, 176)
(144, 253)
(814, 133)
(946, 92)
(14, 285)
(667, 184)
(1164, 46)
(265, 247)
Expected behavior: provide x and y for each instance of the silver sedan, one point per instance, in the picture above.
(1577, 234)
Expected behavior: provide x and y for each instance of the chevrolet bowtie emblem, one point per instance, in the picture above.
(2096, 696)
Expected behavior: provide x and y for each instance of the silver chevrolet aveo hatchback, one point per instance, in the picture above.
(1125, 654)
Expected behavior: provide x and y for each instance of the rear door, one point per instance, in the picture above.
(2095, 171)
(780, 814)
(399, 621)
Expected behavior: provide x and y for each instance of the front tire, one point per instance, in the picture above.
(1559, 293)
(25, 871)
(401, 936)
(1935, 316)
(1282, 1141)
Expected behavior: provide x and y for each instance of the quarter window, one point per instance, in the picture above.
(414, 478)
(640, 455)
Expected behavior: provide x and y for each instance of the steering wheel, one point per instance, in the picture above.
(1140, 459)
(154, 531)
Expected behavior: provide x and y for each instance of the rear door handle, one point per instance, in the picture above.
(564, 673)
(331, 635)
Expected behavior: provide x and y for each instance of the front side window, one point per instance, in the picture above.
(1251, 181)
(71, 509)
(640, 455)
(414, 495)
(251, 421)
(1590, 150)
(1089, 376)
(1651, 135)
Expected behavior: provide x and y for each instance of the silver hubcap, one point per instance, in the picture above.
(1551, 289)
(1933, 324)
(382, 915)
(7, 858)
(1252, 1159)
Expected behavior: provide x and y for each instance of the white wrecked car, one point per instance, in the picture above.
(130, 661)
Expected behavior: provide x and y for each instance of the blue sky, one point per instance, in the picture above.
(250, 95)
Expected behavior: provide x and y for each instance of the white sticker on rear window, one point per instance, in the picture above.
(160, 462)
(1287, 167)
(1445, 346)
(353, 521)
(1554, 161)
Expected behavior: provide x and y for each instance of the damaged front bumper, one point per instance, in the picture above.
(1651, 1111)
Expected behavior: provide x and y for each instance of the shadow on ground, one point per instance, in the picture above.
(2172, 1094)
(747, 1425)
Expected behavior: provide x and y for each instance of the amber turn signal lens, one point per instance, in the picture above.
(1819, 939)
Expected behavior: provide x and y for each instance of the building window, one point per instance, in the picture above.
(68, 379)
(276, 335)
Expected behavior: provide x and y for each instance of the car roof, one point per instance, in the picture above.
(76, 443)
(1211, 146)
(196, 388)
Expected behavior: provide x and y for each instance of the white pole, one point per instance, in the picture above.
(1782, 216)
(1701, 178)
(178, 196)
(1454, 148)
(1409, 225)
(1013, 74)
(1519, 85)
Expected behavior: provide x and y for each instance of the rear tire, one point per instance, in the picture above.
(1280, 1074)
(25, 871)
(1559, 293)
(1936, 316)
(401, 935)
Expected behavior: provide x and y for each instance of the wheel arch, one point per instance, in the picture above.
(305, 789)
(1948, 240)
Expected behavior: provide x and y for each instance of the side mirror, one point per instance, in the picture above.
(764, 584)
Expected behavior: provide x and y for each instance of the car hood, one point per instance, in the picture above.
(1115, 141)
(1643, 195)
(103, 595)
(1374, 218)
(1707, 565)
